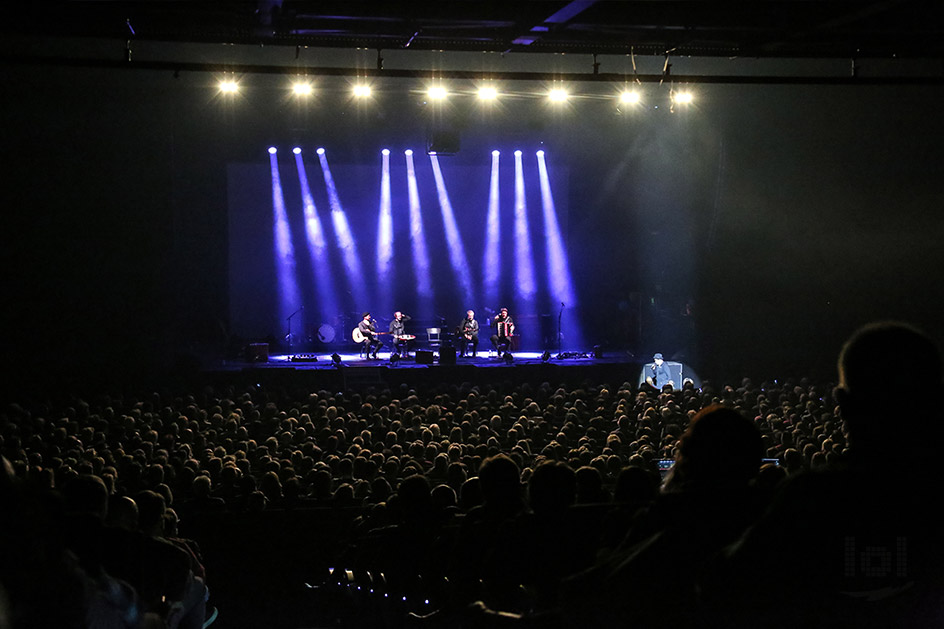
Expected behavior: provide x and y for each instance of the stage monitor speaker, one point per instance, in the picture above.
(258, 352)
(447, 355)
(424, 357)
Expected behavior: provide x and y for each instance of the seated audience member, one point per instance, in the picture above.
(706, 503)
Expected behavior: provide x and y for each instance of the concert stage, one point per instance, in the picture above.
(353, 371)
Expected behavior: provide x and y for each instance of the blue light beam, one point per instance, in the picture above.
(284, 250)
(558, 268)
(491, 263)
(424, 284)
(457, 258)
(524, 264)
(344, 237)
(317, 248)
(385, 235)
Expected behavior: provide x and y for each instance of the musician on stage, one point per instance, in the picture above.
(368, 331)
(468, 333)
(504, 330)
(397, 330)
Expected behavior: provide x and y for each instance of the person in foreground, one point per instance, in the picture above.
(859, 545)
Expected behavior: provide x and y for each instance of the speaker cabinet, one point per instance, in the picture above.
(424, 357)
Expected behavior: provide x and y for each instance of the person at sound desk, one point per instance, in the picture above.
(659, 373)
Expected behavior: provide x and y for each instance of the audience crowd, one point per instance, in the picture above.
(530, 504)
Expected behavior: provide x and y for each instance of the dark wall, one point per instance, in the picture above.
(785, 215)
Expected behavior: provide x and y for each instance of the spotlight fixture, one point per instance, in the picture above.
(272, 150)
(518, 153)
(682, 98)
(336, 360)
(437, 92)
(408, 152)
(546, 356)
(320, 151)
(300, 88)
(495, 153)
(487, 93)
(557, 95)
(297, 150)
(228, 86)
(540, 153)
(630, 97)
(394, 358)
(385, 152)
(362, 90)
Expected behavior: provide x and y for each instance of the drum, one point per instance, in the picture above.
(326, 333)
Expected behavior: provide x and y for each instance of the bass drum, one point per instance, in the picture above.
(326, 333)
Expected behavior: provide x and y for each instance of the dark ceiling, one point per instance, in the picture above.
(890, 29)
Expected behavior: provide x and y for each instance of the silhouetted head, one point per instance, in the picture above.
(553, 487)
(889, 380)
(720, 446)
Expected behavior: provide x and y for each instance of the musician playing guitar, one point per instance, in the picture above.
(468, 332)
(504, 331)
(397, 329)
(368, 334)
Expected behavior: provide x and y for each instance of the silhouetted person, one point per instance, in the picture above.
(857, 546)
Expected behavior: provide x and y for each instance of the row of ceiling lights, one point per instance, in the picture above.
(303, 89)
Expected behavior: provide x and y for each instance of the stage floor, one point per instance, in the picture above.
(322, 360)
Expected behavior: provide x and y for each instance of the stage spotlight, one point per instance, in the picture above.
(229, 87)
(630, 97)
(488, 93)
(558, 95)
(517, 153)
(437, 92)
(297, 150)
(540, 153)
(408, 152)
(682, 98)
(362, 90)
(272, 150)
(495, 153)
(302, 89)
(546, 356)
(320, 151)
(336, 360)
(508, 358)
(385, 152)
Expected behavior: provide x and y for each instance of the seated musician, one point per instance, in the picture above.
(371, 343)
(468, 333)
(397, 331)
(504, 331)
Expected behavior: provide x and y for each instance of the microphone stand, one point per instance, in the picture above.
(560, 335)
(289, 337)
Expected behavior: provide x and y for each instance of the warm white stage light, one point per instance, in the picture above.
(437, 92)
(683, 98)
(229, 87)
(558, 95)
(302, 89)
(362, 90)
(488, 93)
(630, 97)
